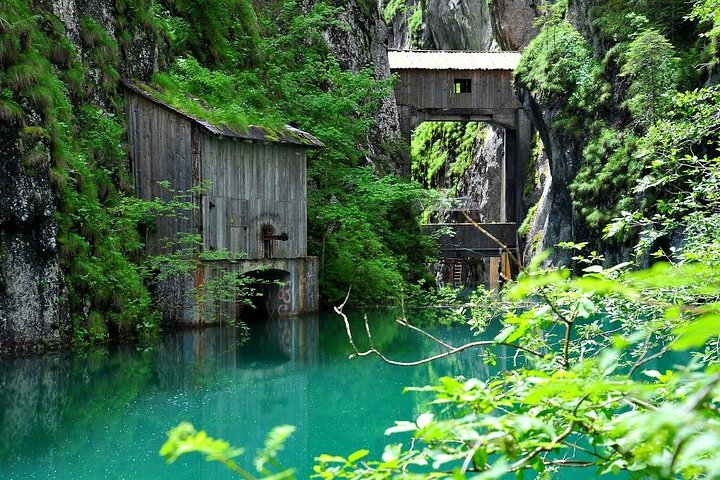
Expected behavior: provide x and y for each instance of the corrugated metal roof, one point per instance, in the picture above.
(452, 60)
(290, 135)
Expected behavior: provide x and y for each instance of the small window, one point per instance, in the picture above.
(462, 85)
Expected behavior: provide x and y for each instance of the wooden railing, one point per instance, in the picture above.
(490, 240)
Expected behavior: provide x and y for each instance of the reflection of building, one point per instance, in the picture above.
(249, 193)
(242, 385)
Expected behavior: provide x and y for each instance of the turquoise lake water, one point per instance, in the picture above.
(106, 414)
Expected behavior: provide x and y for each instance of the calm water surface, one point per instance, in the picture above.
(106, 414)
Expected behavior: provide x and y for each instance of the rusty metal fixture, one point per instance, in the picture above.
(267, 234)
(283, 237)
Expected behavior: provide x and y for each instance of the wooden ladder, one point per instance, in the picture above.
(457, 274)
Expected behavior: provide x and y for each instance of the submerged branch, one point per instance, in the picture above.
(407, 324)
(452, 350)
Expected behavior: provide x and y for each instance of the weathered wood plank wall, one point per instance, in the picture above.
(160, 150)
(491, 89)
(251, 185)
(248, 184)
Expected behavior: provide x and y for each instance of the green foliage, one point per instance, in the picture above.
(610, 170)
(220, 33)
(102, 52)
(413, 18)
(558, 68)
(680, 183)
(707, 12)
(442, 151)
(524, 228)
(369, 238)
(237, 101)
(184, 439)
(391, 9)
(648, 50)
(565, 407)
(619, 21)
(650, 67)
(415, 24)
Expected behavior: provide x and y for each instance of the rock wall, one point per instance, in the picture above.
(513, 22)
(554, 222)
(33, 314)
(445, 25)
(482, 182)
(364, 44)
(458, 25)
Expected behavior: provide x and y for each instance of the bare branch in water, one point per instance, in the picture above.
(451, 350)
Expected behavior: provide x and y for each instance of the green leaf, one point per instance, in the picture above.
(355, 456)
(325, 458)
(401, 426)
(424, 420)
(695, 334)
(274, 443)
(392, 452)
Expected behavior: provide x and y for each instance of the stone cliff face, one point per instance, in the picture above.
(552, 219)
(33, 314)
(363, 45)
(513, 22)
(482, 181)
(458, 25)
(442, 25)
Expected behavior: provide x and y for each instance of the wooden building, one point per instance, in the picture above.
(461, 86)
(249, 192)
(454, 83)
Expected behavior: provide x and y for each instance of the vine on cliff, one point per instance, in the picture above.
(609, 94)
(43, 81)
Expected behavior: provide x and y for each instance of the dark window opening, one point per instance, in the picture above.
(267, 243)
(462, 85)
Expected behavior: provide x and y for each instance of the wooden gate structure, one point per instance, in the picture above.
(462, 86)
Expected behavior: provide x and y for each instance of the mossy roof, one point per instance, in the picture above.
(287, 135)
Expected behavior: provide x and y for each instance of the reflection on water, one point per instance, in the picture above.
(105, 415)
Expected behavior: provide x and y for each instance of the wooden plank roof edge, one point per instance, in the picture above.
(291, 135)
(405, 59)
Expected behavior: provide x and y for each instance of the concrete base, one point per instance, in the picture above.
(289, 287)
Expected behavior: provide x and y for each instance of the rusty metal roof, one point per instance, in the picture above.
(289, 135)
(452, 60)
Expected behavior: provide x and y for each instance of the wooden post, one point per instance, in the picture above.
(494, 274)
(506, 266)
